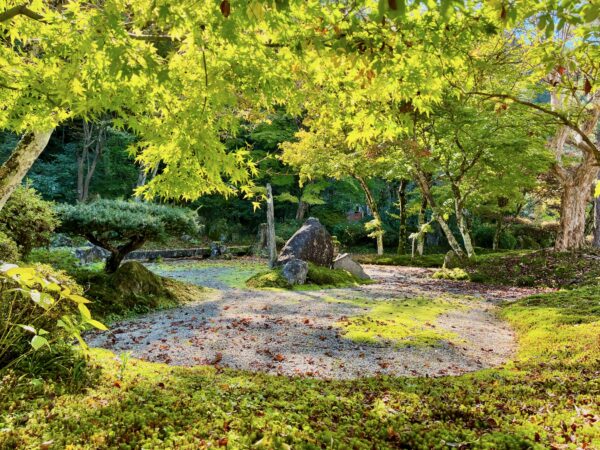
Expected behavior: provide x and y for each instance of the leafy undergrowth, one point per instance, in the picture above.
(317, 277)
(401, 322)
(547, 398)
(540, 268)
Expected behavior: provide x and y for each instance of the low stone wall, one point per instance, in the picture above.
(175, 253)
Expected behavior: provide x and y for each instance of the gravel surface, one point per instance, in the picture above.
(296, 333)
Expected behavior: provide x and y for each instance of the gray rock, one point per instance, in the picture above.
(312, 242)
(219, 250)
(452, 260)
(88, 255)
(295, 271)
(345, 262)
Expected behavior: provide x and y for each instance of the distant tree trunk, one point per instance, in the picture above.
(576, 186)
(596, 241)
(498, 232)
(403, 230)
(422, 221)
(301, 211)
(271, 242)
(426, 192)
(88, 157)
(461, 220)
(373, 206)
(20, 161)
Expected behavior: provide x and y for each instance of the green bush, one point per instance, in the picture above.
(28, 219)
(41, 310)
(9, 252)
(484, 237)
(352, 233)
(59, 258)
(122, 227)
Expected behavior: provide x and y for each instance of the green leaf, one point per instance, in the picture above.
(98, 325)
(85, 312)
(28, 328)
(38, 342)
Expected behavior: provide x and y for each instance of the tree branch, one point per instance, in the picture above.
(20, 10)
(591, 147)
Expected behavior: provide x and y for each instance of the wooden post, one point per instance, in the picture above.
(271, 228)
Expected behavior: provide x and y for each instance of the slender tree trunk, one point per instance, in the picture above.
(403, 230)
(424, 185)
(20, 161)
(271, 238)
(373, 206)
(87, 160)
(497, 232)
(463, 227)
(576, 190)
(422, 221)
(596, 241)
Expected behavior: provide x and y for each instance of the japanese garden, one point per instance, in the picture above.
(300, 224)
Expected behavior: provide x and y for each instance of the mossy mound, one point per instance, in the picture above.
(456, 274)
(317, 276)
(135, 289)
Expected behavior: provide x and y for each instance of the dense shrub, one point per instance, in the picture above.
(9, 251)
(59, 258)
(484, 237)
(352, 233)
(42, 311)
(28, 219)
(122, 227)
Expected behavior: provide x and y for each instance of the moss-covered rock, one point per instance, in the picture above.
(317, 276)
(456, 274)
(9, 252)
(135, 289)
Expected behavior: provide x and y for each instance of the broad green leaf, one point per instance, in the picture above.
(38, 342)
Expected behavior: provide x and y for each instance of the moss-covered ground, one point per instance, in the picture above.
(318, 277)
(548, 397)
(400, 321)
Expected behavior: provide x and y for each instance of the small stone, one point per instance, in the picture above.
(295, 271)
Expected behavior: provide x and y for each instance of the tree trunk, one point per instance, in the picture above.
(461, 221)
(426, 192)
(421, 238)
(20, 161)
(92, 148)
(403, 230)
(497, 232)
(596, 241)
(576, 190)
(271, 238)
(373, 206)
(301, 211)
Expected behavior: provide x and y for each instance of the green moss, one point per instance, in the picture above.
(456, 274)
(403, 321)
(133, 289)
(434, 260)
(548, 397)
(268, 279)
(317, 277)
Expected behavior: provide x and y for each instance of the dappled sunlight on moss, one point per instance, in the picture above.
(402, 321)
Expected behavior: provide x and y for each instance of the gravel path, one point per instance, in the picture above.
(296, 333)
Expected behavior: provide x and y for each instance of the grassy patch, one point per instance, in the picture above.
(434, 260)
(317, 277)
(548, 397)
(402, 322)
(217, 274)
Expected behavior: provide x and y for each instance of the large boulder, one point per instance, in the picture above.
(312, 243)
(295, 271)
(345, 262)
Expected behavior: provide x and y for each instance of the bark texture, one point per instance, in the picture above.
(271, 242)
(20, 161)
(403, 229)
